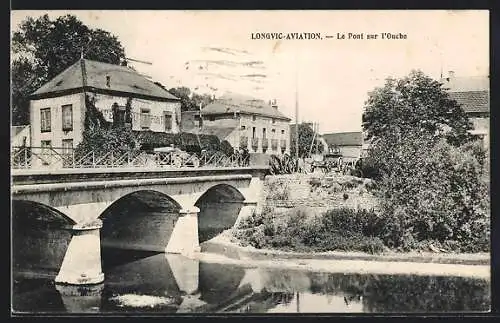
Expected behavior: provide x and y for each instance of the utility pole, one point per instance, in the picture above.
(296, 108)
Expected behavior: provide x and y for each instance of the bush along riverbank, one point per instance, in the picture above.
(313, 213)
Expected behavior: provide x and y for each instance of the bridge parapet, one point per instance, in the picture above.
(28, 176)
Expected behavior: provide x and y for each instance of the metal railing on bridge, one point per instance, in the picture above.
(57, 158)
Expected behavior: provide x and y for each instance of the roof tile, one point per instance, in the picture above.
(121, 79)
(232, 102)
(343, 138)
(472, 101)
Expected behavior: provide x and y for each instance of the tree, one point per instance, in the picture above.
(428, 169)
(432, 190)
(184, 93)
(203, 99)
(189, 100)
(306, 135)
(226, 148)
(415, 102)
(43, 48)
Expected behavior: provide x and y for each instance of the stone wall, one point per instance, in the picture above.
(318, 191)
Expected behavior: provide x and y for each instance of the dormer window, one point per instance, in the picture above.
(108, 80)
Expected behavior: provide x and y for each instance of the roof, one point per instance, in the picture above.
(220, 132)
(344, 138)
(472, 93)
(92, 75)
(233, 102)
(473, 101)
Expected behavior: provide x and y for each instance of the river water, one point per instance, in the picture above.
(152, 282)
(142, 282)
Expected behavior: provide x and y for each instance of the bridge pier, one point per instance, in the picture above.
(249, 207)
(184, 239)
(81, 299)
(254, 194)
(82, 261)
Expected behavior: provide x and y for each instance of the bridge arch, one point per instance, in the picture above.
(142, 220)
(219, 207)
(40, 237)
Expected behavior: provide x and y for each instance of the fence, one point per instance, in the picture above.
(55, 158)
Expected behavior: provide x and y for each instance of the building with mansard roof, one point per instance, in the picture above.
(57, 109)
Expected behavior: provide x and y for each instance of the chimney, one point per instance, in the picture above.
(274, 103)
(108, 80)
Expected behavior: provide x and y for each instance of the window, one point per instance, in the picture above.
(67, 145)
(273, 131)
(67, 117)
(118, 114)
(145, 119)
(45, 120)
(253, 132)
(243, 127)
(46, 147)
(254, 118)
(273, 121)
(46, 144)
(264, 133)
(168, 121)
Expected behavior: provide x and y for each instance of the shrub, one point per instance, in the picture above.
(339, 229)
(226, 148)
(369, 168)
(186, 141)
(438, 196)
(284, 164)
(102, 140)
(315, 182)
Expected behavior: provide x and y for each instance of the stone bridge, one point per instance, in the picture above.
(63, 218)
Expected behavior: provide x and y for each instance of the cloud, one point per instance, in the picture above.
(225, 50)
(254, 75)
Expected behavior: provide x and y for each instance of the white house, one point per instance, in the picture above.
(245, 122)
(57, 109)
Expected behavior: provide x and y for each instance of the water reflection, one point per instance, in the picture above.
(173, 284)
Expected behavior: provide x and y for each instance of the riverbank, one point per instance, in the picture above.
(222, 250)
(333, 212)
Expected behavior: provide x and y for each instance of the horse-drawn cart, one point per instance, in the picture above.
(330, 162)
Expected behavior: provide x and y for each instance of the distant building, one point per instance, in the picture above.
(349, 144)
(57, 109)
(243, 121)
(473, 94)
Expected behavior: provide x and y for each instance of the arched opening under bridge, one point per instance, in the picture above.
(219, 208)
(40, 238)
(137, 225)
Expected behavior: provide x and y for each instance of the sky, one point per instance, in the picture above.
(213, 52)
